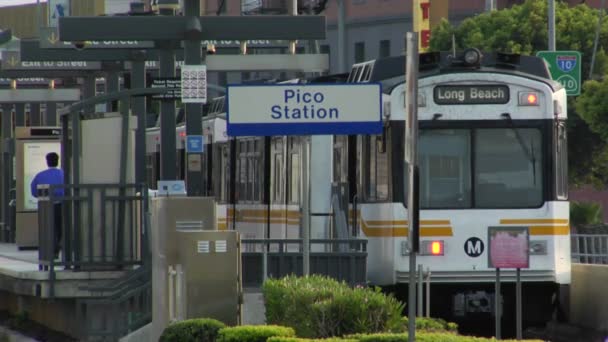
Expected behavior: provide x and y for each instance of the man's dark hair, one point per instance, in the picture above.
(52, 159)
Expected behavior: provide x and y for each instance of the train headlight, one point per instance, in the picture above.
(528, 98)
(433, 247)
(472, 57)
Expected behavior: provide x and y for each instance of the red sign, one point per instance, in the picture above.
(509, 247)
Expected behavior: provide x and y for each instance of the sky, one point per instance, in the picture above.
(4, 3)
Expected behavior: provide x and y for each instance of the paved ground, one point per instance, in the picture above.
(560, 332)
(14, 336)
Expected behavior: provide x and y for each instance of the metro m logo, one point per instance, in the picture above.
(473, 247)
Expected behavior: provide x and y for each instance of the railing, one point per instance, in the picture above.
(589, 248)
(327, 257)
(103, 227)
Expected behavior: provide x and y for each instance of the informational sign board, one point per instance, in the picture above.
(11, 60)
(194, 83)
(565, 68)
(298, 109)
(49, 39)
(195, 144)
(34, 161)
(509, 247)
(169, 82)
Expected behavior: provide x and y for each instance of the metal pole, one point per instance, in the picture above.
(50, 114)
(19, 114)
(194, 111)
(341, 37)
(551, 17)
(138, 81)
(411, 158)
(293, 11)
(7, 167)
(428, 292)
(497, 304)
(420, 283)
(597, 37)
(89, 92)
(112, 85)
(35, 119)
(518, 305)
(168, 146)
(306, 206)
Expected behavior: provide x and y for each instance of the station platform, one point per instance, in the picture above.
(20, 275)
(49, 298)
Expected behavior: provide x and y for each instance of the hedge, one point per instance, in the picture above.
(317, 306)
(425, 337)
(192, 330)
(431, 325)
(253, 333)
(296, 339)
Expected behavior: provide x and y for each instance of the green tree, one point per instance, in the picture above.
(523, 29)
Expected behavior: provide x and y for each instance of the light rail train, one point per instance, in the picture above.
(492, 154)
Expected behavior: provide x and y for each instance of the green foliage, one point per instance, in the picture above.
(4, 337)
(585, 213)
(423, 337)
(296, 339)
(318, 306)
(253, 333)
(195, 330)
(431, 324)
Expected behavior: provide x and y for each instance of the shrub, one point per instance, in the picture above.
(585, 213)
(317, 306)
(195, 330)
(431, 324)
(253, 333)
(296, 339)
(423, 337)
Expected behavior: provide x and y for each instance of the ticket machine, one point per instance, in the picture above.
(31, 147)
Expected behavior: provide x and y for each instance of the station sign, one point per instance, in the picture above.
(49, 39)
(298, 109)
(195, 144)
(12, 61)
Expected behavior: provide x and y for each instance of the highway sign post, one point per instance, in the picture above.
(297, 109)
(565, 67)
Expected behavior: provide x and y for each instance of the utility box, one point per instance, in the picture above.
(196, 269)
(32, 146)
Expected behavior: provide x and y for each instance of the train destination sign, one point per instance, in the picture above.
(471, 94)
(298, 109)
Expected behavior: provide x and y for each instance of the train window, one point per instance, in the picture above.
(376, 174)
(445, 174)
(277, 171)
(561, 161)
(508, 168)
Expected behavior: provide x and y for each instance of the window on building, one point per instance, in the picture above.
(385, 48)
(359, 52)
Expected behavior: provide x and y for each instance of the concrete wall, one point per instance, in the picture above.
(58, 314)
(589, 296)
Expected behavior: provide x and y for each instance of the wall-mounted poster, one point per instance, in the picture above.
(34, 161)
(508, 247)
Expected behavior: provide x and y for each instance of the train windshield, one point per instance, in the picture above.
(481, 168)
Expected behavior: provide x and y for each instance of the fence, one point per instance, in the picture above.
(590, 248)
(342, 259)
(103, 227)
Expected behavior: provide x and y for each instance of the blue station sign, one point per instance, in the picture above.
(298, 109)
(195, 144)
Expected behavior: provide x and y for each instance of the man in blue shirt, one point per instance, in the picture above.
(52, 175)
